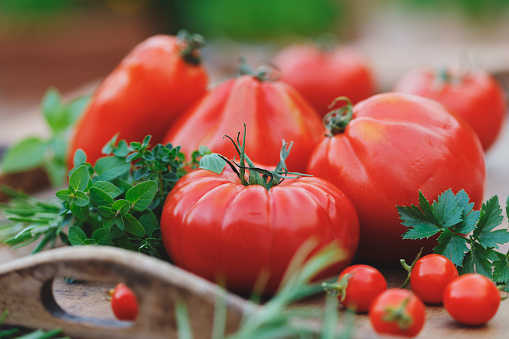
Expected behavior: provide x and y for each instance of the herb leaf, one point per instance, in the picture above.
(469, 238)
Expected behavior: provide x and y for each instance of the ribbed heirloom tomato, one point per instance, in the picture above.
(151, 86)
(321, 72)
(475, 96)
(271, 109)
(226, 227)
(385, 149)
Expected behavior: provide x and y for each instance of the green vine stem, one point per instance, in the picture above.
(336, 120)
(189, 46)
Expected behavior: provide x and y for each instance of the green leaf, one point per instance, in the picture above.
(80, 157)
(482, 260)
(494, 238)
(122, 206)
(490, 217)
(119, 221)
(81, 199)
(52, 108)
(110, 189)
(447, 210)
(421, 231)
(110, 145)
(76, 107)
(469, 216)
(141, 195)
(99, 197)
(107, 212)
(452, 246)
(76, 236)
(79, 178)
(203, 150)
(108, 223)
(133, 226)
(109, 168)
(63, 195)
(80, 212)
(149, 222)
(101, 237)
(25, 155)
(501, 269)
(122, 149)
(212, 162)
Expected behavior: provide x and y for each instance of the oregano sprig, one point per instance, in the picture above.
(469, 238)
(116, 202)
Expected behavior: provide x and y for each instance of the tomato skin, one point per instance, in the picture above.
(271, 110)
(364, 285)
(395, 145)
(471, 299)
(392, 298)
(477, 97)
(429, 277)
(143, 95)
(217, 228)
(321, 76)
(124, 303)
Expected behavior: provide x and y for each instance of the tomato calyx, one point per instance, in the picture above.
(267, 72)
(338, 288)
(399, 315)
(409, 268)
(189, 45)
(326, 43)
(257, 175)
(336, 120)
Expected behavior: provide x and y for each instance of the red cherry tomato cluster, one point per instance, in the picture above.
(470, 299)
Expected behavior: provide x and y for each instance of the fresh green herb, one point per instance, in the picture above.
(277, 318)
(12, 333)
(50, 154)
(469, 238)
(116, 202)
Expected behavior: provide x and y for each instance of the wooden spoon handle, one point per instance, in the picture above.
(26, 292)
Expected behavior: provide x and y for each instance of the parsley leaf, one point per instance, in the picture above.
(469, 238)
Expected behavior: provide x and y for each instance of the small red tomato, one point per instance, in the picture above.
(397, 312)
(471, 299)
(357, 287)
(429, 277)
(124, 303)
(476, 96)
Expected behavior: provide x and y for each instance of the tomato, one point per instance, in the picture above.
(272, 111)
(397, 312)
(391, 146)
(358, 286)
(476, 96)
(124, 303)
(322, 74)
(150, 87)
(471, 299)
(429, 277)
(218, 228)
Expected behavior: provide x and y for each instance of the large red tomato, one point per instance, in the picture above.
(392, 146)
(272, 111)
(151, 86)
(321, 75)
(476, 96)
(218, 228)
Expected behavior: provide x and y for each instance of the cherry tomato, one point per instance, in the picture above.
(272, 111)
(471, 299)
(145, 93)
(124, 303)
(322, 74)
(358, 286)
(216, 227)
(385, 149)
(476, 96)
(397, 312)
(429, 277)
